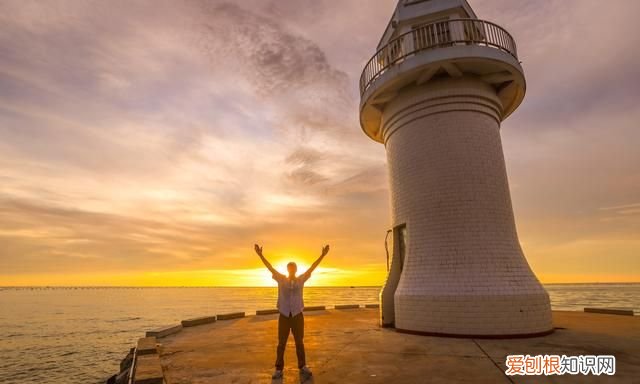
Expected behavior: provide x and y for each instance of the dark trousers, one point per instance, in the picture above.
(295, 325)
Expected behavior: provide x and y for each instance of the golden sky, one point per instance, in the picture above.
(153, 142)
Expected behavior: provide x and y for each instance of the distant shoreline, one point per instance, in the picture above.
(253, 287)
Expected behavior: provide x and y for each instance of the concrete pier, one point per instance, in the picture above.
(348, 346)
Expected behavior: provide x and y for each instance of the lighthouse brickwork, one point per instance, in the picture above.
(434, 94)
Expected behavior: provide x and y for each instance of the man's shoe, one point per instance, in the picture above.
(305, 372)
(277, 374)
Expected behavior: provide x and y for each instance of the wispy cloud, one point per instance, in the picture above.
(140, 136)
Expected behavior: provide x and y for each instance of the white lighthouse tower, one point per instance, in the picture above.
(434, 94)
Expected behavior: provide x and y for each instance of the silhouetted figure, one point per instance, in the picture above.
(290, 306)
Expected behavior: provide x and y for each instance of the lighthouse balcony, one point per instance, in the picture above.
(453, 48)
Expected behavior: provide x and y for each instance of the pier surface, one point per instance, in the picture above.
(347, 346)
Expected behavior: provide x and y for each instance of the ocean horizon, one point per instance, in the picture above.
(262, 286)
(79, 334)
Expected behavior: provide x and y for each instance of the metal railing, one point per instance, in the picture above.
(441, 34)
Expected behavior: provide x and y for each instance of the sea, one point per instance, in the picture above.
(80, 334)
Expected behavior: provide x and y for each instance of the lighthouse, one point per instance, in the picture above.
(435, 93)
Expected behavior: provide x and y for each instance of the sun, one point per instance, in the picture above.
(263, 276)
(282, 267)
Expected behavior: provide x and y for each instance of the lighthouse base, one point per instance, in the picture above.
(479, 316)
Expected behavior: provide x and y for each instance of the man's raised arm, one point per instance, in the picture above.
(267, 264)
(309, 271)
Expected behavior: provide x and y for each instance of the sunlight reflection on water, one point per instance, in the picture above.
(54, 335)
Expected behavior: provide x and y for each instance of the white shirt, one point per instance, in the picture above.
(290, 293)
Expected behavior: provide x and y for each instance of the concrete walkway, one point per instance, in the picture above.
(347, 347)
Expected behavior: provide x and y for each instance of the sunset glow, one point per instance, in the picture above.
(153, 145)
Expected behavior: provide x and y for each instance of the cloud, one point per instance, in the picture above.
(169, 136)
(573, 63)
(288, 73)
